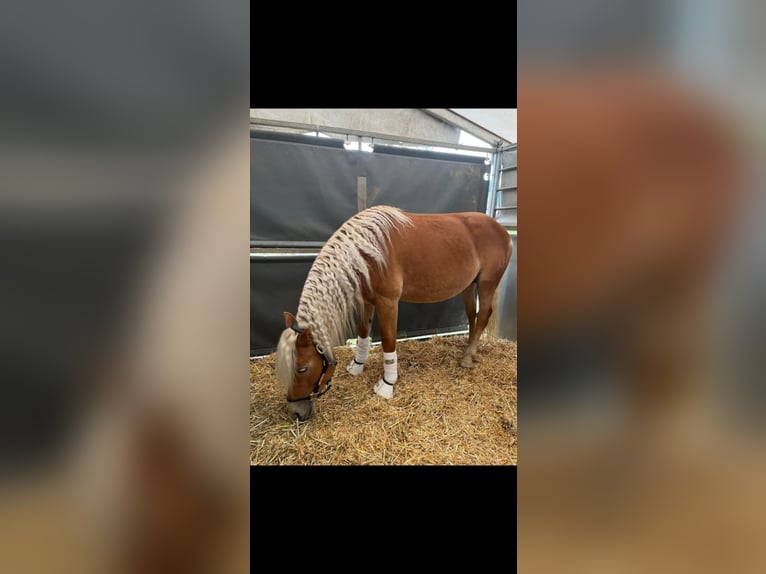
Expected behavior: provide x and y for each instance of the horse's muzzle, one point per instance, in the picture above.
(301, 409)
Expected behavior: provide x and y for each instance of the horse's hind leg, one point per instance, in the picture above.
(486, 290)
(469, 300)
(356, 366)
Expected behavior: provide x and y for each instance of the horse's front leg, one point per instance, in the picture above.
(356, 366)
(388, 310)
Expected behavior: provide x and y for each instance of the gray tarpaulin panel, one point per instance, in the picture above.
(296, 138)
(426, 185)
(302, 192)
(410, 152)
(305, 192)
(275, 287)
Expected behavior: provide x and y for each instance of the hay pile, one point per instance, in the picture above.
(441, 413)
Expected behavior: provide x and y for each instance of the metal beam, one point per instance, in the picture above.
(282, 256)
(282, 244)
(366, 134)
(407, 122)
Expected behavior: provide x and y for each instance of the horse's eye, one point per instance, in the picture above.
(303, 370)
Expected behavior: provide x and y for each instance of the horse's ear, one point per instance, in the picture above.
(289, 319)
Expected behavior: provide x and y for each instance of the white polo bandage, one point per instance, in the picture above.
(362, 349)
(389, 367)
(356, 366)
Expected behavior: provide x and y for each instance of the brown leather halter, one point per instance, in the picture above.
(328, 367)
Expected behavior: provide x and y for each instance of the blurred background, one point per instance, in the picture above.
(124, 287)
(642, 311)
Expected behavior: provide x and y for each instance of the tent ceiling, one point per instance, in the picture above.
(434, 124)
(489, 125)
(501, 122)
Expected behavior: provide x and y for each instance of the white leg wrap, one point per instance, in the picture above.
(385, 386)
(356, 366)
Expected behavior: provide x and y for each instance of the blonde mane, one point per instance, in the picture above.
(333, 288)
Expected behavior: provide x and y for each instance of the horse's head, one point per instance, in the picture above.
(302, 368)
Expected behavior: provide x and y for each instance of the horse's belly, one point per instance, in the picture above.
(436, 285)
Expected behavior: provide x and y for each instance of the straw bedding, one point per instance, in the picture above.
(440, 414)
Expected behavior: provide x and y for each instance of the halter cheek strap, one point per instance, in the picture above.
(326, 364)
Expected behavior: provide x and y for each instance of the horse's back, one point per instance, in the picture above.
(485, 234)
(441, 254)
(489, 235)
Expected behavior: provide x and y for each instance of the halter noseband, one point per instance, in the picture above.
(326, 364)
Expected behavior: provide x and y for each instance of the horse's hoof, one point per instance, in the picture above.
(383, 389)
(467, 362)
(355, 368)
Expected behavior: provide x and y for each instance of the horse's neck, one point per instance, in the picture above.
(323, 312)
(332, 289)
(310, 315)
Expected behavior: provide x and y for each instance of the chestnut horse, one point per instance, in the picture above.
(379, 257)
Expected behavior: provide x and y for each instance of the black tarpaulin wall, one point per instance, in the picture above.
(302, 192)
